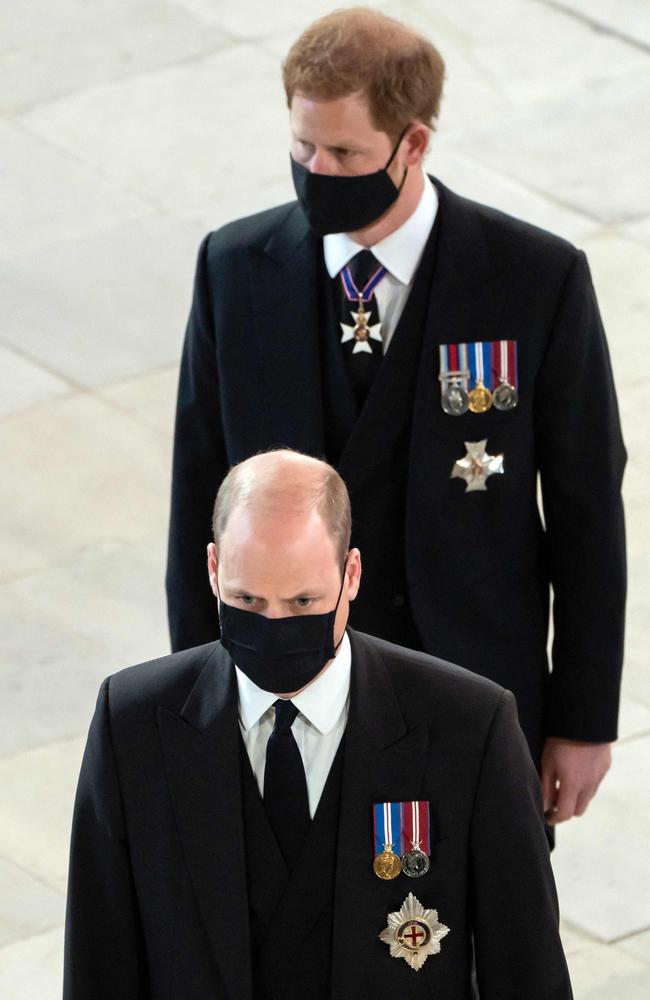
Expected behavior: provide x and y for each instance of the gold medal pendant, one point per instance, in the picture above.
(480, 398)
(387, 865)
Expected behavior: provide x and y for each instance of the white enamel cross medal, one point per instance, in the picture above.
(361, 332)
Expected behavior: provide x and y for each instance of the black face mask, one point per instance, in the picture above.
(278, 654)
(336, 204)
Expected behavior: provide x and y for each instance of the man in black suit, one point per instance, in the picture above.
(223, 842)
(467, 360)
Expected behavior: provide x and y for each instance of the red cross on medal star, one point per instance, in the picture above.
(413, 933)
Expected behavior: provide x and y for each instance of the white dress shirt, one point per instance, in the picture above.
(317, 729)
(400, 253)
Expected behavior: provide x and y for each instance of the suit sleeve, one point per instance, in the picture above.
(581, 458)
(514, 904)
(103, 938)
(200, 463)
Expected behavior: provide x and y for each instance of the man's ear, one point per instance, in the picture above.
(213, 566)
(353, 573)
(417, 143)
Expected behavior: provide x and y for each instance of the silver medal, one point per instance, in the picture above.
(505, 397)
(415, 863)
(454, 397)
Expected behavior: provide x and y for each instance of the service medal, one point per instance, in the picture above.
(505, 397)
(453, 397)
(454, 377)
(388, 832)
(504, 353)
(413, 933)
(415, 863)
(415, 831)
(476, 466)
(362, 332)
(480, 398)
(387, 865)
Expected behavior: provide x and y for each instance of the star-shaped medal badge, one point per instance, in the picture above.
(361, 332)
(476, 466)
(413, 933)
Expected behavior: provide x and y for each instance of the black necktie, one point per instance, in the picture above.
(285, 785)
(362, 364)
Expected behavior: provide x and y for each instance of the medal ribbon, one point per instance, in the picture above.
(351, 290)
(453, 358)
(504, 362)
(387, 826)
(415, 826)
(480, 362)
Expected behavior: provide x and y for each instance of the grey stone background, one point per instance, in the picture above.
(129, 128)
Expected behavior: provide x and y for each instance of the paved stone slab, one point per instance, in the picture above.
(557, 147)
(628, 17)
(638, 946)
(110, 605)
(601, 862)
(518, 51)
(637, 676)
(38, 789)
(150, 399)
(106, 306)
(24, 384)
(573, 939)
(81, 474)
(621, 273)
(601, 973)
(468, 176)
(33, 968)
(182, 135)
(634, 719)
(49, 196)
(639, 231)
(50, 672)
(27, 906)
(92, 43)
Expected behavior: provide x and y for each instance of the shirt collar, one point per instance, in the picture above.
(321, 702)
(399, 252)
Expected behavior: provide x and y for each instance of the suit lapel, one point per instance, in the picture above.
(284, 290)
(383, 761)
(201, 752)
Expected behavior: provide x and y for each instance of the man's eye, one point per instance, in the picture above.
(246, 599)
(303, 602)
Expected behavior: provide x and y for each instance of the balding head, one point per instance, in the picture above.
(283, 485)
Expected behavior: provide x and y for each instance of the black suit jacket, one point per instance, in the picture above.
(478, 565)
(157, 904)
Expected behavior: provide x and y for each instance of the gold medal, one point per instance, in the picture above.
(387, 865)
(480, 398)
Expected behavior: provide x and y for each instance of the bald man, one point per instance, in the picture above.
(301, 811)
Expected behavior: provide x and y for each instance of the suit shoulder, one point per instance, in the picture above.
(510, 236)
(421, 680)
(165, 681)
(250, 231)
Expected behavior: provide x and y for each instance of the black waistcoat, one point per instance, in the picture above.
(384, 424)
(295, 905)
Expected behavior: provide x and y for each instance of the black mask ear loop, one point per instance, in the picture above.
(393, 154)
(336, 606)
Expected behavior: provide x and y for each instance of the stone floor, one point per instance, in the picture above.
(129, 128)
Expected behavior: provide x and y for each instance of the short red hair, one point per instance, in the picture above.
(358, 50)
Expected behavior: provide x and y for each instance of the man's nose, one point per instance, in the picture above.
(323, 162)
(273, 610)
